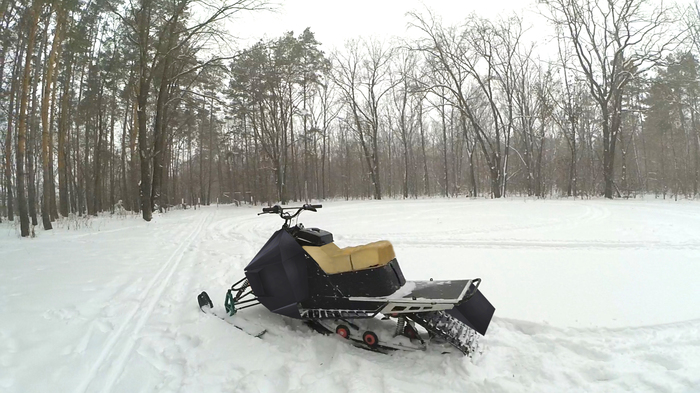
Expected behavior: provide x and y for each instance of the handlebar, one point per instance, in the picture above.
(277, 209)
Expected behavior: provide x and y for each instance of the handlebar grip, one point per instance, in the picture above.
(267, 210)
(316, 206)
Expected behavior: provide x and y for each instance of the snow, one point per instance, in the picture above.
(590, 296)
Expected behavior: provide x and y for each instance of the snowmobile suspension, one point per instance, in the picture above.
(238, 301)
(400, 326)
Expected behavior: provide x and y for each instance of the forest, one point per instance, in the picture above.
(142, 106)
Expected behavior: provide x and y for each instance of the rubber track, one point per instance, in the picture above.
(448, 328)
(319, 328)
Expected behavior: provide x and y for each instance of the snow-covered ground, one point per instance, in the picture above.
(590, 296)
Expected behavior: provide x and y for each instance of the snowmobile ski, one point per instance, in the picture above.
(207, 307)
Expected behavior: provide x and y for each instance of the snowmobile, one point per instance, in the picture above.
(301, 273)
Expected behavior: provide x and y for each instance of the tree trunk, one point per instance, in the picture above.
(97, 190)
(144, 18)
(8, 136)
(159, 132)
(445, 191)
(572, 166)
(125, 194)
(83, 180)
(32, 126)
(472, 175)
(201, 163)
(610, 131)
(2, 77)
(46, 141)
(53, 206)
(32, 18)
(211, 149)
(63, 202)
(144, 156)
(79, 169)
(696, 145)
(324, 149)
(111, 154)
(426, 179)
(134, 196)
(190, 170)
(471, 150)
(306, 148)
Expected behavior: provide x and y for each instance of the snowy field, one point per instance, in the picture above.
(590, 296)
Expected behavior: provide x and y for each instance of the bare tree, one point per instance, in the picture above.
(473, 69)
(614, 41)
(402, 95)
(567, 118)
(362, 75)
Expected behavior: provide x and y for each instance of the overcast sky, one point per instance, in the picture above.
(335, 21)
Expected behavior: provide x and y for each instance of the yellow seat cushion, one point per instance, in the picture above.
(329, 258)
(333, 259)
(370, 255)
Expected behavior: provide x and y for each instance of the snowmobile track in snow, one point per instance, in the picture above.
(149, 298)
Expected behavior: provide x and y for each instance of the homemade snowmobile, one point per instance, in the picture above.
(300, 273)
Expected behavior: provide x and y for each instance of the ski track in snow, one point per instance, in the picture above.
(149, 298)
(112, 308)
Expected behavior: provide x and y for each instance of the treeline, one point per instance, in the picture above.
(110, 105)
(96, 98)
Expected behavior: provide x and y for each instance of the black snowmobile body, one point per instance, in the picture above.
(300, 273)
